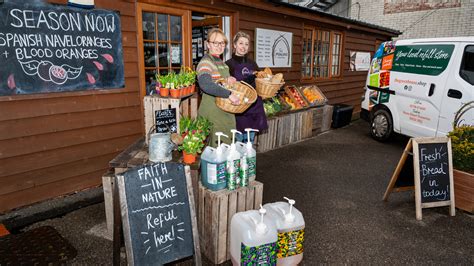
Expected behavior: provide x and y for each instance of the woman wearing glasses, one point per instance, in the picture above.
(210, 69)
(242, 68)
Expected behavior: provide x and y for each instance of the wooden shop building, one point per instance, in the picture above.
(54, 143)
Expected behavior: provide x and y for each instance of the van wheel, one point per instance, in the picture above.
(381, 127)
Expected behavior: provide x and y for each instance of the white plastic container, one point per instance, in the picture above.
(290, 226)
(251, 156)
(253, 238)
(234, 155)
(213, 166)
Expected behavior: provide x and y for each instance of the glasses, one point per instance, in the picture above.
(215, 44)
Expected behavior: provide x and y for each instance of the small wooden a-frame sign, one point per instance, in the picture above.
(432, 174)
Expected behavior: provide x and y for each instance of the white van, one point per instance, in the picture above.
(415, 87)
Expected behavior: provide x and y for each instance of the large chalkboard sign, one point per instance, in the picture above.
(158, 225)
(165, 120)
(55, 48)
(433, 173)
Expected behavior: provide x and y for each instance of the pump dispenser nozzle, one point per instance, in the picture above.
(261, 227)
(248, 130)
(289, 217)
(233, 135)
(219, 134)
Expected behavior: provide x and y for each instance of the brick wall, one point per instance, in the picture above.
(425, 20)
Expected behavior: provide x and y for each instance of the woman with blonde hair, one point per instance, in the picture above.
(210, 69)
(242, 68)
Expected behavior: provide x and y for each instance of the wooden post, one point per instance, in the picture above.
(395, 175)
(192, 210)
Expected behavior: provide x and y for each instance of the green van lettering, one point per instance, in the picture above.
(422, 59)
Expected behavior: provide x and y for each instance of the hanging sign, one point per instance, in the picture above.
(56, 48)
(432, 174)
(166, 121)
(273, 48)
(158, 214)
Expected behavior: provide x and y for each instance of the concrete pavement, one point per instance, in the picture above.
(338, 180)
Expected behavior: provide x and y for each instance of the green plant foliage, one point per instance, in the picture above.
(195, 133)
(462, 144)
(462, 141)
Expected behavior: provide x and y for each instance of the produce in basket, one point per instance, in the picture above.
(289, 101)
(267, 75)
(297, 96)
(272, 106)
(314, 95)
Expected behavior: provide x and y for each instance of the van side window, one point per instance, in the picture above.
(467, 65)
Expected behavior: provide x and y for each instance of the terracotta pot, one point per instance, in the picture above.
(164, 92)
(463, 190)
(174, 93)
(189, 158)
(193, 88)
(188, 90)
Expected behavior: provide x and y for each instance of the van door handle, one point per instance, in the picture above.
(454, 94)
(432, 87)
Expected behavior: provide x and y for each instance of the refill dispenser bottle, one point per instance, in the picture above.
(253, 238)
(234, 155)
(290, 226)
(213, 165)
(251, 156)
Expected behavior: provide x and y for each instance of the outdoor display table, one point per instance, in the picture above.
(293, 126)
(135, 155)
(214, 208)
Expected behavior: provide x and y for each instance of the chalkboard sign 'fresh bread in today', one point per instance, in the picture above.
(433, 174)
(156, 214)
(56, 48)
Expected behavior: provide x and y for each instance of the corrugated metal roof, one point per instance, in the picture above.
(334, 16)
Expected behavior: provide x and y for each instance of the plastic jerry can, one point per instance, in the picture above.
(234, 155)
(251, 156)
(290, 226)
(253, 238)
(213, 166)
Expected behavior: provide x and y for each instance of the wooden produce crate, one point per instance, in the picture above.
(313, 95)
(296, 96)
(322, 118)
(216, 209)
(286, 129)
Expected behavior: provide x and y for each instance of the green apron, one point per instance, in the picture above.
(221, 120)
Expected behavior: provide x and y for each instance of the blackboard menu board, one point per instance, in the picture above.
(55, 48)
(433, 159)
(165, 121)
(158, 226)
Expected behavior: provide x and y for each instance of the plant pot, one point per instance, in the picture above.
(193, 88)
(164, 92)
(189, 158)
(463, 190)
(174, 93)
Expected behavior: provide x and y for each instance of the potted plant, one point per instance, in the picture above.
(462, 143)
(163, 82)
(195, 133)
(174, 90)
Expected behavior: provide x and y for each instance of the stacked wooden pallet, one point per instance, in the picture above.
(215, 211)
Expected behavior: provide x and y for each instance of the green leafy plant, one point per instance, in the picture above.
(462, 141)
(192, 142)
(195, 133)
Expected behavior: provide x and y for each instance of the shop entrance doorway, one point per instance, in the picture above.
(201, 23)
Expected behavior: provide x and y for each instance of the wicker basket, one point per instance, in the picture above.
(266, 89)
(245, 91)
